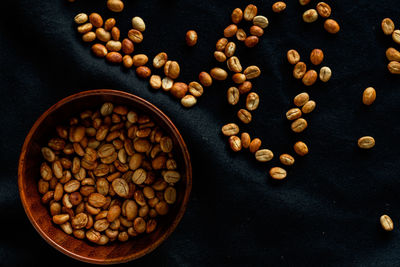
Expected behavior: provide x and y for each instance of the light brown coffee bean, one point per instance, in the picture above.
(135, 36)
(66, 227)
(244, 116)
(299, 70)
(230, 31)
(115, 33)
(392, 54)
(230, 129)
(387, 26)
(140, 60)
(155, 81)
(166, 144)
(57, 169)
(221, 44)
(277, 173)
(304, 2)
(252, 101)
(143, 72)
(331, 26)
(218, 74)
(219, 56)
(366, 142)
(245, 87)
(93, 236)
(76, 133)
(255, 145)
(113, 213)
(127, 46)
(191, 38)
(310, 16)
(170, 195)
(81, 18)
(160, 60)
(386, 223)
(43, 186)
(299, 125)
(286, 159)
(300, 148)
(234, 64)
(114, 57)
(115, 5)
(293, 114)
(237, 15)
(101, 225)
(138, 24)
(171, 177)
(46, 172)
(310, 78)
(89, 37)
(251, 41)
(233, 95)
(79, 221)
(316, 56)
(72, 186)
(167, 83)
(241, 35)
(48, 154)
(325, 74)
(172, 69)
(123, 236)
(264, 155)
(109, 24)
(245, 139)
(113, 46)
(369, 96)
(97, 200)
(188, 101)
(394, 67)
(235, 143)
(142, 145)
(250, 12)
(300, 99)
(239, 78)
(103, 35)
(278, 7)
(230, 49)
(120, 187)
(293, 56)
(252, 72)
(162, 208)
(195, 89)
(261, 21)
(47, 197)
(324, 10)
(205, 79)
(61, 218)
(308, 107)
(84, 28)
(127, 61)
(256, 31)
(99, 50)
(139, 176)
(96, 20)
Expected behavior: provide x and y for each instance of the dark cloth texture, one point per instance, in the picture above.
(326, 213)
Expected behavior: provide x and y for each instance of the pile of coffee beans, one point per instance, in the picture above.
(108, 175)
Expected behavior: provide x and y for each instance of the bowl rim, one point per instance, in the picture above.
(153, 109)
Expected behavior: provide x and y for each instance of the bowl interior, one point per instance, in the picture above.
(38, 213)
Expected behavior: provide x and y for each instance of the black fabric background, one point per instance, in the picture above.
(327, 210)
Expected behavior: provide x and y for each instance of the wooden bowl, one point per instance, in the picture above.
(38, 214)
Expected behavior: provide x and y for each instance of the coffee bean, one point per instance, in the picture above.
(114, 57)
(369, 96)
(234, 64)
(233, 95)
(230, 31)
(310, 16)
(293, 56)
(278, 7)
(301, 148)
(160, 60)
(179, 90)
(140, 60)
(241, 35)
(293, 114)
(219, 56)
(286, 159)
(191, 38)
(244, 116)
(80, 18)
(89, 37)
(387, 26)
(239, 78)
(316, 56)
(230, 129)
(245, 87)
(127, 46)
(251, 41)
(170, 195)
(300, 99)
(366, 142)
(331, 26)
(99, 50)
(245, 139)
(143, 72)
(394, 67)
(252, 101)
(230, 49)
(84, 28)
(299, 70)
(324, 10)
(235, 143)
(172, 69)
(221, 44)
(115, 5)
(304, 2)
(264, 155)
(308, 107)
(392, 54)
(155, 81)
(188, 101)
(127, 61)
(138, 24)
(277, 173)
(96, 20)
(386, 223)
(167, 83)
(113, 46)
(325, 74)
(252, 72)
(310, 78)
(256, 31)
(237, 15)
(135, 36)
(218, 74)
(103, 35)
(255, 145)
(195, 89)
(250, 12)
(205, 79)
(109, 24)
(299, 125)
(260, 21)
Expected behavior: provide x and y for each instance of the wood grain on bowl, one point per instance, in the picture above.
(28, 173)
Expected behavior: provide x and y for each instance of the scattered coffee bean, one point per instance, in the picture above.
(84, 28)
(109, 24)
(237, 15)
(293, 114)
(369, 96)
(386, 223)
(325, 74)
(252, 101)
(244, 116)
(219, 56)
(127, 46)
(250, 12)
(241, 35)
(278, 7)
(103, 35)
(252, 72)
(260, 21)
(188, 101)
(172, 69)
(293, 56)
(255, 145)
(301, 148)
(277, 173)
(245, 87)
(324, 10)
(239, 78)
(135, 36)
(256, 31)
(221, 44)
(301, 99)
(331, 26)
(394, 67)
(392, 54)
(233, 95)
(143, 71)
(387, 26)
(245, 138)
(310, 16)
(155, 81)
(264, 155)
(251, 41)
(235, 143)
(81, 18)
(286, 159)
(127, 61)
(205, 79)
(96, 20)
(230, 31)
(160, 60)
(167, 83)
(316, 56)
(195, 89)
(113, 46)
(310, 78)
(230, 49)
(140, 60)
(396, 36)
(99, 50)
(218, 74)
(115, 5)
(191, 38)
(299, 70)
(230, 129)
(138, 24)
(234, 64)
(299, 125)
(308, 107)
(89, 37)
(366, 142)
(179, 90)
(304, 2)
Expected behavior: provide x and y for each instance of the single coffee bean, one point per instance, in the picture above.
(230, 31)
(286, 159)
(230, 129)
(393, 54)
(241, 35)
(252, 101)
(140, 60)
(299, 70)
(299, 125)
(155, 81)
(113, 46)
(386, 223)
(160, 60)
(234, 64)
(394, 67)
(205, 79)
(218, 74)
(244, 116)
(293, 114)
(81, 18)
(191, 38)
(99, 50)
(230, 49)
(316, 56)
(233, 95)
(260, 21)
(103, 35)
(143, 72)
(138, 24)
(255, 145)
(114, 57)
(221, 44)
(172, 69)
(308, 107)
(278, 7)
(310, 16)
(310, 78)
(293, 56)
(301, 148)
(171, 177)
(331, 26)
(245, 139)
(179, 90)
(237, 15)
(167, 83)
(239, 78)
(127, 46)
(304, 2)
(115, 33)
(300, 99)
(251, 41)
(369, 96)
(96, 20)
(170, 195)
(89, 37)
(188, 101)
(195, 89)
(219, 56)
(115, 5)
(250, 12)
(277, 173)
(252, 72)
(61, 218)
(109, 24)
(366, 142)
(387, 26)
(120, 187)
(245, 87)
(264, 155)
(324, 10)
(256, 31)
(235, 143)
(84, 28)
(325, 74)
(135, 36)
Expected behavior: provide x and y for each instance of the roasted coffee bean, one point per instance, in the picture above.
(234, 64)
(114, 57)
(244, 116)
(230, 49)
(81, 18)
(188, 101)
(278, 7)
(230, 31)
(115, 5)
(299, 70)
(235, 143)
(310, 77)
(84, 28)
(172, 69)
(310, 16)
(264, 155)
(143, 72)
(300, 99)
(219, 56)
(252, 101)
(109, 24)
(237, 15)
(325, 74)
(386, 223)
(299, 125)
(250, 12)
(304, 2)
(171, 177)
(331, 26)
(103, 35)
(301, 148)
(167, 83)
(96, 20)
(61, 218)
(205, 79)
(241, 35)
(255, 145)
(324, 10)
(135, 36)
(138, 24)
(195, 89)
(261, 21)
(233, 95)
(293, 114)
(387, 26)
(392, 54)
(221, 44)
(286, 159)
(394, 67)
(245, 139)
(155, 81)
(245, 87)
(277, 173)
(140, 60)
(230, 129)
(218, 74)
(191, 38)
(239, 78)
(256, 31)
(366, 142)
(89, 37)
(251, 41)
(308, 107)
(293, 56)
(316, 56)
(252, 72)
(369, 96)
